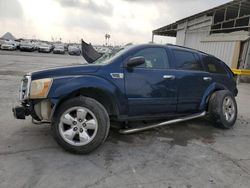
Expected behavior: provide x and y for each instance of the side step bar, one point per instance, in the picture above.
(139, 129)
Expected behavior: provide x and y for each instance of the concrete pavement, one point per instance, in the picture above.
(190, 154)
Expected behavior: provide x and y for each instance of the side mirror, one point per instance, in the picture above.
(135, 61)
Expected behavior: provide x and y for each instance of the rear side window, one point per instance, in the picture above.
(186, 60)
(155, 58)
(213, 65)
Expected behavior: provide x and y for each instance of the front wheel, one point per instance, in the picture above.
(80, 125)
(223, 109)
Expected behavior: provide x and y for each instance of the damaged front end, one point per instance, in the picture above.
(32, 96)
(35, 87)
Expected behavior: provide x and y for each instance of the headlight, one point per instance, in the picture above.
(40, 88)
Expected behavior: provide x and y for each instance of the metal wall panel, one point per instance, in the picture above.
(180, 38)
(193, 39)
(221, 49)
(193, 33)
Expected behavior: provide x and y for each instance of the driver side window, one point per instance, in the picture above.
(155, 58)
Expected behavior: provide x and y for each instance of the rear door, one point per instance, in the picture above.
(192, 80)
(151, 88)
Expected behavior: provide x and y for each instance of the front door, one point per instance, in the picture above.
(151, 87)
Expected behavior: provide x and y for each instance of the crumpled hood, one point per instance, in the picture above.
(89, 53)
(64, 71)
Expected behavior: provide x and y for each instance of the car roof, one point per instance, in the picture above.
(145, 45)
(171, 46)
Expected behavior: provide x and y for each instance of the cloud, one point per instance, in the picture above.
(171, 11)
(70, 3)
(10, 9)
(89, 5)
(86, 22)
(144, 1)
(126, 20)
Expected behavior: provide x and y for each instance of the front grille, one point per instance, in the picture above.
(25, 88)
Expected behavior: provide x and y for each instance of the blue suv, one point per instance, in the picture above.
(141, 82)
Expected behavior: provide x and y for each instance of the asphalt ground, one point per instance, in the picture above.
(188, 154)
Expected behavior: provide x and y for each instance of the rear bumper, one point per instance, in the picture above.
(19, 112)
(58, 52)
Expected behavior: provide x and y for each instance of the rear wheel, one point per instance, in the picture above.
(80, 125)
(223, 109)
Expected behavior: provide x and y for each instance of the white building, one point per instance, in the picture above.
(223, 31)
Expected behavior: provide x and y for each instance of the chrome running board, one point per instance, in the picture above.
(139, 129)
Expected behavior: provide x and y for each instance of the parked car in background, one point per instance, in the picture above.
(103, 49)
(45, 48)
(59, 49)
(26, 45)
(74, 50)
(36, 45)
(1, 42)
(17, 43)
(138, 82)
(8, 45)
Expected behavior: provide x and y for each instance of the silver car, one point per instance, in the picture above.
(27, 45)
(8, 45)
(44, 47)
(59, 49)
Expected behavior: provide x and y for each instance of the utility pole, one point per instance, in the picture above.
(107, 37)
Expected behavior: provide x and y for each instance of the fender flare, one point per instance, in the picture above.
(210, 90)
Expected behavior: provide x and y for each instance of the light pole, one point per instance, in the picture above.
(107, 37)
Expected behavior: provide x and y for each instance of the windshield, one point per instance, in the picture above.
(107, 57)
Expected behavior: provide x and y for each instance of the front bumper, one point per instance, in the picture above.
(74, 53)
(58, 52)
(26, 48)
(7, 48)
(45, 50)
(40, 110)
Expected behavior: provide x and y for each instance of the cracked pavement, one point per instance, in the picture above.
(189, 154)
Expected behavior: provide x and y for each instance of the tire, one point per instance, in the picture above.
(80, 116)
(223, 109)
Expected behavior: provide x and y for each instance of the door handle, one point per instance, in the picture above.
(169, 77)
(207, 78)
